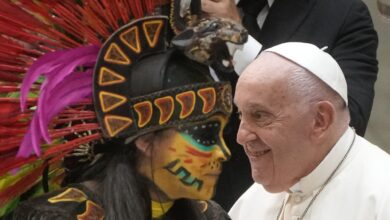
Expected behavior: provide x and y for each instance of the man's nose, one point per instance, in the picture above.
(245, 134)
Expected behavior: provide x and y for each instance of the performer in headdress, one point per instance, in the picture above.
(127, 124)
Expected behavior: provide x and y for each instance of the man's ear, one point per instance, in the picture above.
(144, 143)
(324, 117)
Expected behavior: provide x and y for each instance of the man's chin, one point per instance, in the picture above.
(272, 188)
(269, 187)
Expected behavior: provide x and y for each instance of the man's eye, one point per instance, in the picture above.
(257, 115)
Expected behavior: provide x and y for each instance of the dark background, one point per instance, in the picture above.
(378, 130)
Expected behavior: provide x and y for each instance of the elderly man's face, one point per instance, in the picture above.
(275, 128)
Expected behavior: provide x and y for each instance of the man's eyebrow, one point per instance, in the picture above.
(251, 105)
(255, 105)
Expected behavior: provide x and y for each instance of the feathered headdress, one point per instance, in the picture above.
(62, 79)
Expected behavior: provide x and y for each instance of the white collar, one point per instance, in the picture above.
(319, 175)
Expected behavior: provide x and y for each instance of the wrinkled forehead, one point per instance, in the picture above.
(268, 72)
(264, 81)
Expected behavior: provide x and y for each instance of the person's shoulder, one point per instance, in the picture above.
(246, 207)
(212, 210)
(254, 192)
(370, 163)
(373, 153)
(342, 2)
(63, 204)
(342, 6)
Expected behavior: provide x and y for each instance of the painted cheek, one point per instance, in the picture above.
(185, 175)
(199, 159)
(188, 161)
(198, 153)
(205, 157)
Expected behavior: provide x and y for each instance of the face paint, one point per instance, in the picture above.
(187, 164)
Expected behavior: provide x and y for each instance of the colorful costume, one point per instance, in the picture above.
(82, 108)
(78, 202)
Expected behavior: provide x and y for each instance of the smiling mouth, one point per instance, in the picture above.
(256, 154)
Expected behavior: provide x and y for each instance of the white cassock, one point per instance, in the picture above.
(359, 190)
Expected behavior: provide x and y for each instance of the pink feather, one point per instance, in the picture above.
(62, 82)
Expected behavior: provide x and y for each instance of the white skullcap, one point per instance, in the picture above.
(317, 62)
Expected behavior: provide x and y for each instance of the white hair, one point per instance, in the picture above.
(309, 88)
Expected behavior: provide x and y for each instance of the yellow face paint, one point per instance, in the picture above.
(188, 162)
